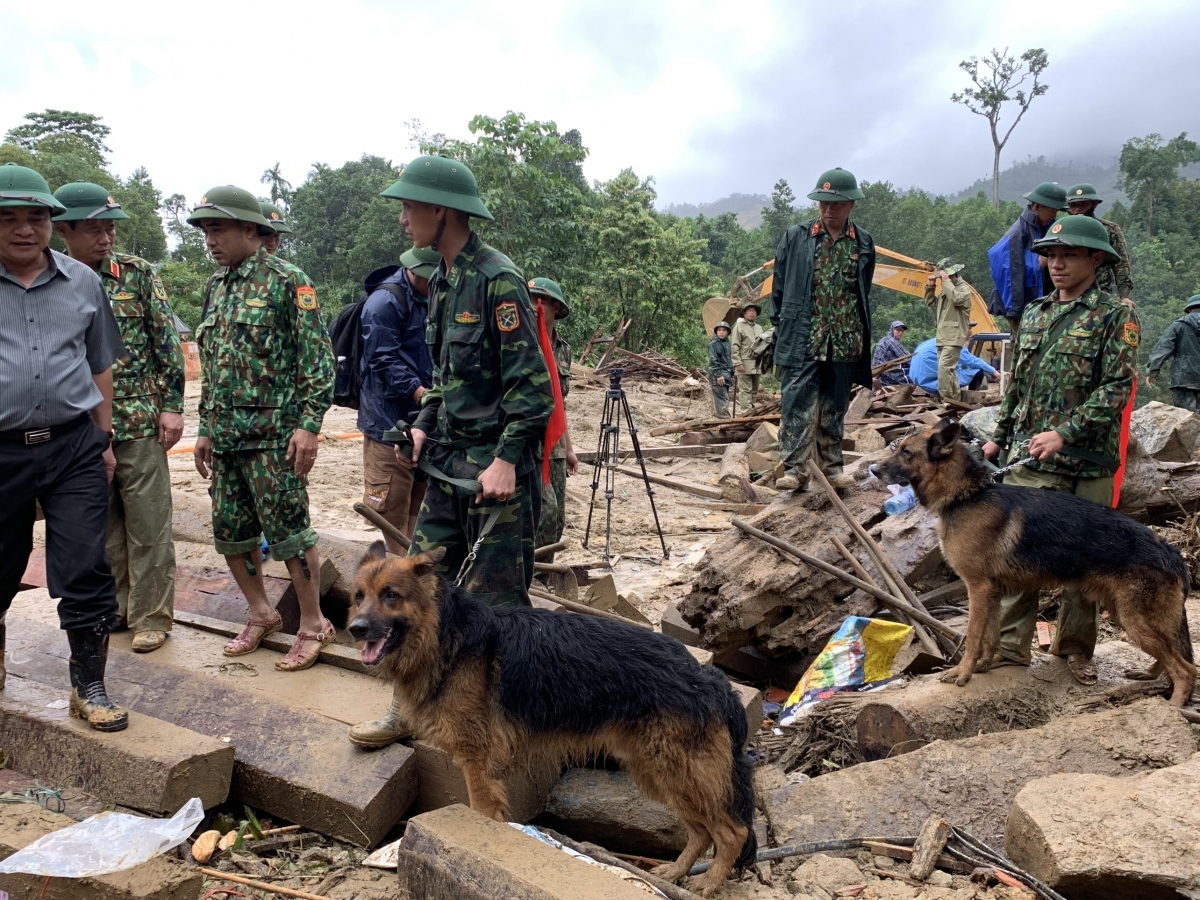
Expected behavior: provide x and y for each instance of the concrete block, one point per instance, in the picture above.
(161, 878)
(1094, 837)
(704, 657)
(608, 809)
(752, 701)
(153, 766)
(473, 856)
(673, 624)
(440, 783)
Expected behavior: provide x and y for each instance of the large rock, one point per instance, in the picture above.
(1093, 837)
(973, 782)
(1166, 433)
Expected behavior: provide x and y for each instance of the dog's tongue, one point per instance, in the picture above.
(372, 650)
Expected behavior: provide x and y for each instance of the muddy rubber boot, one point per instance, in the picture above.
(790, 482)
(385, 730)
(89, 701)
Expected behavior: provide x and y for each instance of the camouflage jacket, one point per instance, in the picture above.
(1081, 385)
(265, 356)
(562, 357)
(148, 379)
(1115, 278)
(491, 394)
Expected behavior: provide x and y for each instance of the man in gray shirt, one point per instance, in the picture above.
(58, 341)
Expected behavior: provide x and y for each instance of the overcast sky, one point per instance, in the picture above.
(708, 97)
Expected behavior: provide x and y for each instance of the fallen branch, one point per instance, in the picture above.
(262, 885)
(703, 424)
(677, 484)
(583, 608)
(601, 855)
(550, 548)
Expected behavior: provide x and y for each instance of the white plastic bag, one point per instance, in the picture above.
(104, 843)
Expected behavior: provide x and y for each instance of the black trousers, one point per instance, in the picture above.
(65, 475)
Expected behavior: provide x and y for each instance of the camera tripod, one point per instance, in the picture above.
(608, 458)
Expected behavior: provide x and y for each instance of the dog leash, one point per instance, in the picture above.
(1024, 461)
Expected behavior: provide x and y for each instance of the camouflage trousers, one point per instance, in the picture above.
(720, 395)
(813, 415)
(1186, 398)
(1078, 614)
(140, 549)
(257, 494)
(503, 566)
(554, 507)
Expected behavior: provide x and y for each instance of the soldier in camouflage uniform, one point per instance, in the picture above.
(1114, 278)
(563, 461)
(720, 369)
(267, 371)
(147, 413)
(821, 309)
(274, 216)
(485, 417)
(1181, 344)
(1073, 374)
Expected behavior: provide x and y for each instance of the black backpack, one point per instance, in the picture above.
(345, 333)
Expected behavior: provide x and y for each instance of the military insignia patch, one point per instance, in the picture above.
(853, 236)
(1078, 190)
(256, 303)
(825, 186)
(159, 291)
(306, 297)
(1131, 334)
(508, 318)
(122, 295)
(1056, 228)
(815, 230)
(467, 318)
(274, 215)
(114, 269)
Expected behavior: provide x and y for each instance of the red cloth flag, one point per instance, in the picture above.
(557, 426)
(1123, 445)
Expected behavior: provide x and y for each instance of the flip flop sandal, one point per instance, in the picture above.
(999, 661)
(252, 635)
(1083, 668)
(298, 657)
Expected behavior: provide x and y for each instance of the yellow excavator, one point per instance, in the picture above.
(906, 275)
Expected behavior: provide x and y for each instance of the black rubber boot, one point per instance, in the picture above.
(89, 701)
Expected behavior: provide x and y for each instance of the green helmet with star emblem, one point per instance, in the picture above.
(421, 261)
(1083, 191)
(545, 287)
(274, 216)
(1077, 231)
(1048, 193)
(22, 186)
(441, 182)
(84, 200)
(230, 202)
(836, 185)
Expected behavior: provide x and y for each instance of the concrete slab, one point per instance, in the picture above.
(441, 783)
(290, 760)
(473, 856)
(161, 878)
(153, 766)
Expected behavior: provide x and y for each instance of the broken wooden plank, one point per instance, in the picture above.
(677, 484)
(589, 456)
(703, 424)
(339, 655)
(666, 369)
(734, 474)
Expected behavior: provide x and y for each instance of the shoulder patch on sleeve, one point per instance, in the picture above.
(508, 316)
(159, 291)
(1131, 334)
(306, 297)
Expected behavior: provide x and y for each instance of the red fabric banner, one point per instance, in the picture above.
(557, 426)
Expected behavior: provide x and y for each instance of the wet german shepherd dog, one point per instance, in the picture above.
(496, 687)
(1002, 539)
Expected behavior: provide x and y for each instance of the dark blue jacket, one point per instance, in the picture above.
(1016, 269)
(395, 357)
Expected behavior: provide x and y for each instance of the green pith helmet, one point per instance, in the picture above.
(229, 202)
(422, 262)
(545, 287)
(21, 186)
(1193, 302)
(274, 216)
(442, 182)
(84, 200)
(1077, 231)
(835, 185)
(1048, 193)
(949, 266)
(1083, 191)
(746, 306)
(721, 325)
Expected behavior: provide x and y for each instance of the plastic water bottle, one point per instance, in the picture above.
(902, 500)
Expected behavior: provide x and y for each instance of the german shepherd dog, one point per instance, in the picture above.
(495, 687)
(1003, 539)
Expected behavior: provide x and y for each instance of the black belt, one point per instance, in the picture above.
(42, 435)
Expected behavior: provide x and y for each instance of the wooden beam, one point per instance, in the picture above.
(676, 484)
(680, 450)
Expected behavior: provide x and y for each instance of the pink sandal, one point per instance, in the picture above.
(249, 639)
(298, 657)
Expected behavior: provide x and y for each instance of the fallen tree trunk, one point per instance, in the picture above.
(734, 472)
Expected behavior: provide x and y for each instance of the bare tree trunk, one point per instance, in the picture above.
(996, 179)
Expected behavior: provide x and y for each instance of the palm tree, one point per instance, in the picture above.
(281, 188)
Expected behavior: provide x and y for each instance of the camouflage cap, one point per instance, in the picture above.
(545, 287)
(1048, 193)
(84, 200)
(1077, 231)
(1083, 191)
(274, 216)
(949, 266)
(229, 202)
(442, 182)
(836, 185)
(22, 186)
(1193, 302)
(422, 262)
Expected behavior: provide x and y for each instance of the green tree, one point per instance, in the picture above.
(781, 214)
(82, 130)
(996, 80)
(189, 241)
(143, 234)
(281, 188)
(1149, 168)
